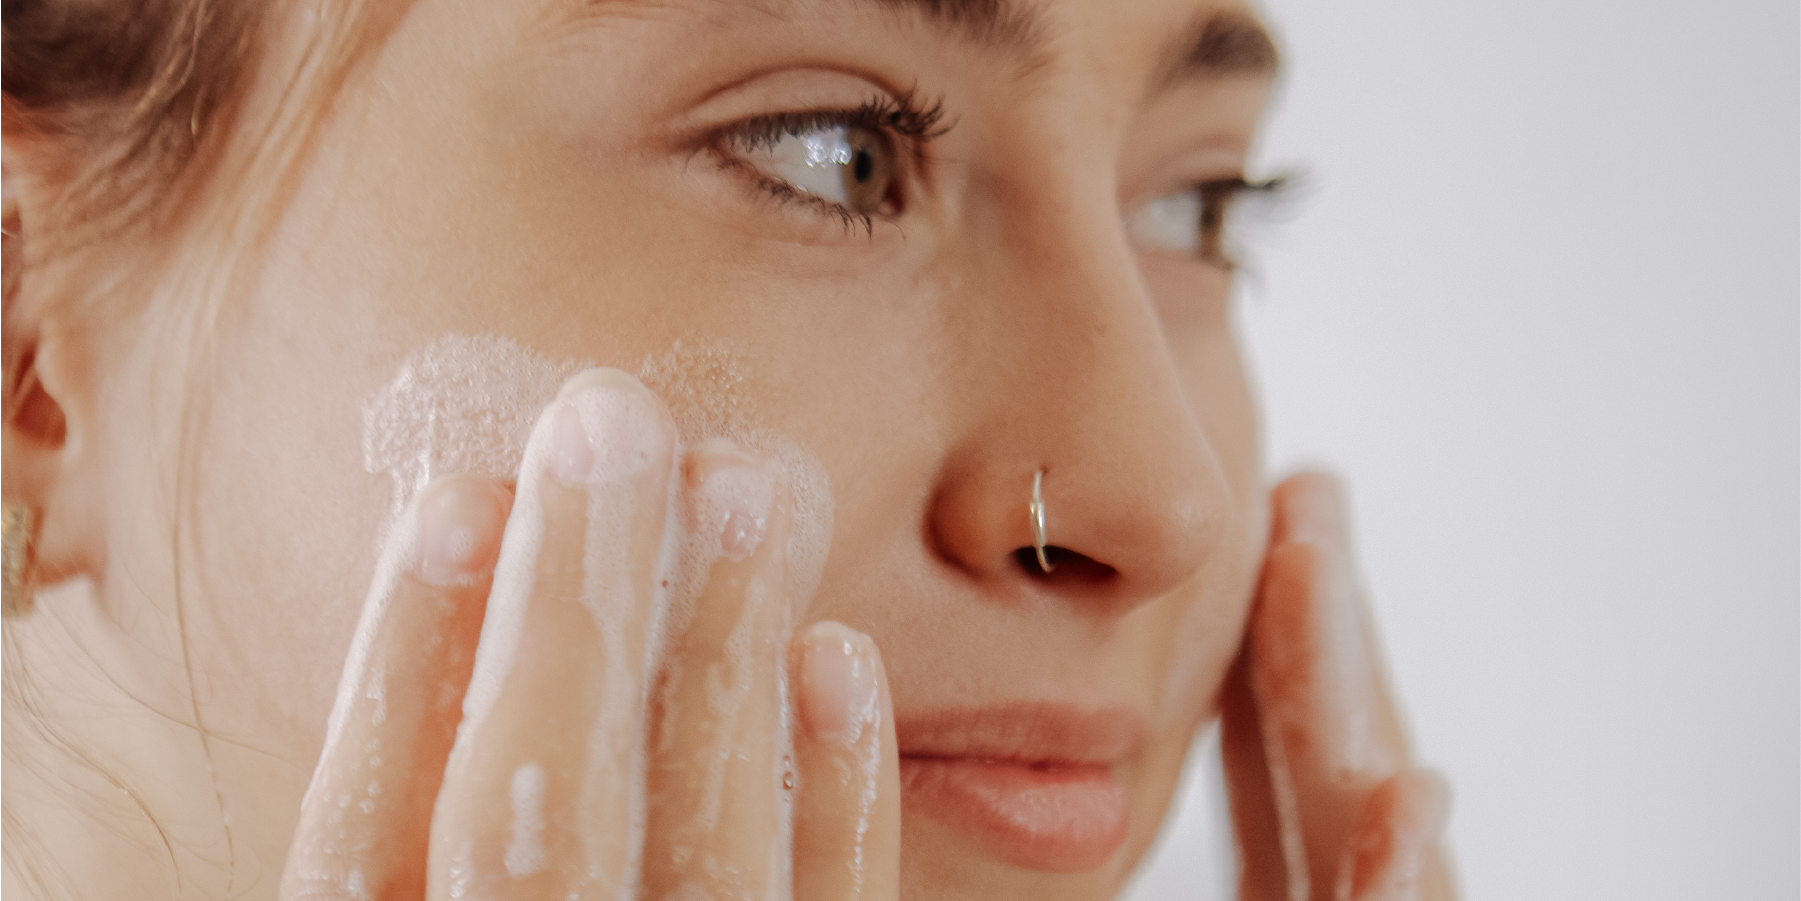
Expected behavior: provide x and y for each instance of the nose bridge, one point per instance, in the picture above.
(1085, 390)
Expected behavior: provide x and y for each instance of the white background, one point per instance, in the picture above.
(1542, 308)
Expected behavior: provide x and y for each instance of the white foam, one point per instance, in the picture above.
(525, 850)
(353, 885)
(472, 404)
(702, 382)
(469, 404)
(463, 403)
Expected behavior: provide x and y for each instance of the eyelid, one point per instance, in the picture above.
(903, 114)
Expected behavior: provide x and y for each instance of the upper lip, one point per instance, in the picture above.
(1039, 733)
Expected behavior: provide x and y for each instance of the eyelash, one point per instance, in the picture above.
(1217, 198)
(903, 118)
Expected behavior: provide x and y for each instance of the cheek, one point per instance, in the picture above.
(462, 404)
(467, 404)
(1203, 635)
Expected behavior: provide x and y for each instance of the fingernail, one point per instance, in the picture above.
(837, 683)
(460, 520)
(604, 426)
(732, 499)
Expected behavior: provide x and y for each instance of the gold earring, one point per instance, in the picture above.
(20, 536)
(1036, 509)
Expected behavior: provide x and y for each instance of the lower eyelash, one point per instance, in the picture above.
(785, 193)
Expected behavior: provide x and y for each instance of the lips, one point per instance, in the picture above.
(1033, 782)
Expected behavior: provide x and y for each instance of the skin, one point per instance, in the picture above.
(510, 169)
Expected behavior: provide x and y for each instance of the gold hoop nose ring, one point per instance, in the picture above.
(1036, 509)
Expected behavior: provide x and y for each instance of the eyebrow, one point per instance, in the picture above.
(1222, 43)
(1001, 24)
(1218, 43)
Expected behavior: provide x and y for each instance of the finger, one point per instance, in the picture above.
(1391, 855)
(717, 755)
(1267, 839)
(847, 812)
(544, 790)
(1328, 726)
(1314, 643)
(366, 817)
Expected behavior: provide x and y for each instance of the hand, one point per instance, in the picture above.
(1325, 799)
(525, 714)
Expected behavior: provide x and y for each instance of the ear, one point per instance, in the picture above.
(50, 464)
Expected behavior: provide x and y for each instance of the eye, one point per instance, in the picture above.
(855, 164)
(1193, 221)
(848, 165)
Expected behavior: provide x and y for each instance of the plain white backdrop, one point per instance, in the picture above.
(1543, 308)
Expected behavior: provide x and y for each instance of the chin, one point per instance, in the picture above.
(940, 861)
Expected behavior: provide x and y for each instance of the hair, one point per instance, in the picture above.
(129, 120)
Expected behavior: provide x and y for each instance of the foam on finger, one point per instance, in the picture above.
(720, 824)
(468, 404)
(625, 424)
(606, 446)
(364, 819)
(473, 403)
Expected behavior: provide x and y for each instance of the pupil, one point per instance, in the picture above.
(862, 165)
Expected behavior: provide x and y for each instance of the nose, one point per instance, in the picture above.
(1075, 380)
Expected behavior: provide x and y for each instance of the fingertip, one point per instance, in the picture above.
(1309, 479)
(601, 381)
(1310, 505)
(840, 683)
(735, 498)
(459, 521)
(603, 427)
(602, 377)
(848, 809)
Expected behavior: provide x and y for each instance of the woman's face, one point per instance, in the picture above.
(995, 269)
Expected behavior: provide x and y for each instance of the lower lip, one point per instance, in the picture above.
(1064, 820)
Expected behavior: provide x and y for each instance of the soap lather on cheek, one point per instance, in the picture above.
(467, 404)
(462, 404)
(703, 382)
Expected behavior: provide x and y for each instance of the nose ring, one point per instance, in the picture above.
(1036, 509)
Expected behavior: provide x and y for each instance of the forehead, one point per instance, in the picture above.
(1186, 39)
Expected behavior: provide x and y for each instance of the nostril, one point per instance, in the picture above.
(1067, 566)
